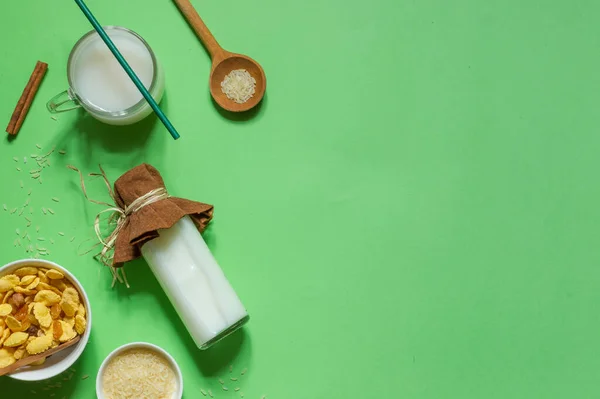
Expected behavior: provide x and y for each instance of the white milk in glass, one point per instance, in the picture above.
(199, 291)
(99, 84)
(100, 79)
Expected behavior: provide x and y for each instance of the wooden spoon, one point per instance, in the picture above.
(32, 359)
(224, 62)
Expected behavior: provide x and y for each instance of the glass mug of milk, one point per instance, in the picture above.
(98, 83)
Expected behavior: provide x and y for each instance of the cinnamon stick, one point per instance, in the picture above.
(22, 108)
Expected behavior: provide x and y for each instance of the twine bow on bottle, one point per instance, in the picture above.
(119, 218)
(141, 208)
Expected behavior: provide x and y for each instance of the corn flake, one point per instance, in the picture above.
(14, 324)
(6, 285)
(70, 301)
(53, 274)
(20, 353)
(59, 284)
(38, 362)
(7, 295)
(26, 271)
(4, 336)
(47, 297)
(26, 280)
(45, 286)
(42, 314)
(24, 291)
(5, 309)
(11, 278)
(16, 339)
(6, 357)
(68, 332)
(70, 321)
(80, 324)
(34, 284)
(39, 345)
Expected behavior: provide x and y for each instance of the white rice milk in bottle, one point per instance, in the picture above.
(194, 282)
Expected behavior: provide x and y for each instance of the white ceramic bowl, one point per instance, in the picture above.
(61, 361)
(140, 345)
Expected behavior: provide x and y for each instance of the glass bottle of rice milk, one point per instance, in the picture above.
(194, 282)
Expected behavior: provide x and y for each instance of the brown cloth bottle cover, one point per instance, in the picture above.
(142, 226)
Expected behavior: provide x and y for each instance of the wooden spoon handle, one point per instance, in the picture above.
(32, 359)
(191, 15)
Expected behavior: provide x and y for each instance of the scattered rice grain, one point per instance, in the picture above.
(21, 182)
(13, 211)
(24, 159)
(85, 377)
(210, 393)
(16, 159)
(72, 239)
(38, 146)
(44, 211)
(62, 152)
(237, 389)
(5, 208)
(41, 239)
(225, 388)
(21, 212)
(53, 118)
(18, 169)
(55, 199)
(60, 233)
(233, 379)
(244, 371)
(51, 211)
(221, 381)
(203, 392)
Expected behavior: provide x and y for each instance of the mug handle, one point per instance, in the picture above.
(63, 102)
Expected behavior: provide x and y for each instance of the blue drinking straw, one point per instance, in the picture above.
(128, 69)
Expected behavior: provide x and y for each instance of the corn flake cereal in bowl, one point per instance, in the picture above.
(139, 370)
(42, 306)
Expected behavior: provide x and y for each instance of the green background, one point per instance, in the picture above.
(413, 211)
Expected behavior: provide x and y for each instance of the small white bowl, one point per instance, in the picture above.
(140, 345)
(64, 359)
